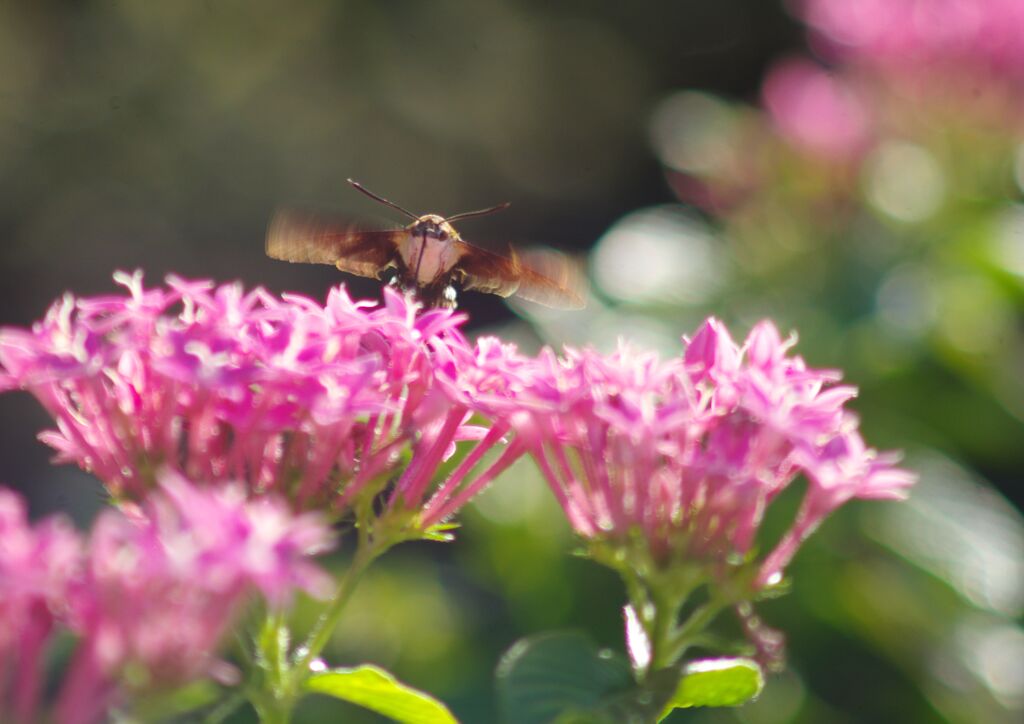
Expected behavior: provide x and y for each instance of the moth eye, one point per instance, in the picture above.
(442, 235)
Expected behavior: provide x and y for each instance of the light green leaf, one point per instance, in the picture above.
(375, 689)
(441, 532)
(717, 682)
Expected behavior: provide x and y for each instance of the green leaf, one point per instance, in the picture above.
(561, 677)
(639, 704)
(377, 690)
(440, 532)
(717, 682)
(780, 588)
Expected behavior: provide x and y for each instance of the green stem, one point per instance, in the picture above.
(366, 553)
(241, 649)
(225, 708)
(274, 711)
(664, 617)
(657, 601)
(277, 651)
(693, 627)
(275, 706)
(275, 699)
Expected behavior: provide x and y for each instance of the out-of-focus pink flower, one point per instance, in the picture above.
(688, 453)
(313, 402)
(235, 543)
(935, 36)
(160, 590)
(36, 568)
(151, 597)
(815, 110)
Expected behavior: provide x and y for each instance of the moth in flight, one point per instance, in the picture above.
(427, 258)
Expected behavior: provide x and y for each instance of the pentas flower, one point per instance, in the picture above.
(150, 598)
(487, 379)
(687, 454)
(161, 589)
(37, 566)
(314, 402)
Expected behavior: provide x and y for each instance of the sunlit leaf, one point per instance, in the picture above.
(440, 532)
(717, 682)
(375, 689)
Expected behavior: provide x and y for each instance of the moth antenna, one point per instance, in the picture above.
(481, 212)
(362, 189)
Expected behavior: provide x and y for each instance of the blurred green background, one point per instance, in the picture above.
(163, 135)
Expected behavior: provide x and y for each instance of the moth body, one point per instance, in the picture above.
(427, 259)
(428, 250)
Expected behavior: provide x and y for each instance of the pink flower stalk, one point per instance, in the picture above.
(160, 590)
(816, 110)
(314, 402)
(690, 452)
(37, 566)
(933, 36)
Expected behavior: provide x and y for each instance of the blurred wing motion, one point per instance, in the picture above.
(297, 237)
(542, 276)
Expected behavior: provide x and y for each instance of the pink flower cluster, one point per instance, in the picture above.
(150, 595)
(318, 402)
(950, 51)
(315, 402)
(931, 35)
(689, 453)
(37, 567)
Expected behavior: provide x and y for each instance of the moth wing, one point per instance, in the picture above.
(545, 277)
(552, 279)
(303, 238)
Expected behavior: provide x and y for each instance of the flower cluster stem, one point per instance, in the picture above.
(275, 700)
(366, 553)
(665, 612)
(275, 704)
(683, 636)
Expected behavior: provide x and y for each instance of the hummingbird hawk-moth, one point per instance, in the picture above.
(427, 258)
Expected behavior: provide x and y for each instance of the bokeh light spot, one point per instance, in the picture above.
(693, 132)
(660, 255)
(1008, 240)
(904, 181)
(908, 302)
(511, 504)
(997, 654)
(779, 702)
(1018, 166)
(961, 531)
(975, 318)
